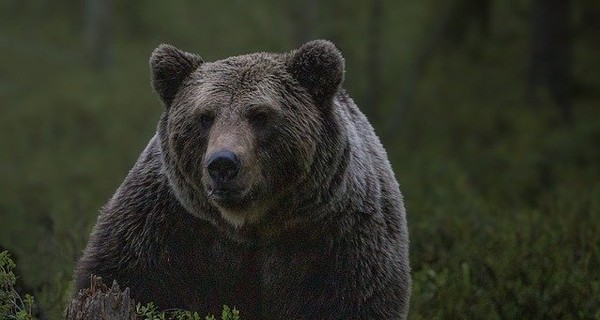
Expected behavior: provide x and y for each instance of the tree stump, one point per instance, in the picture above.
(98, 302)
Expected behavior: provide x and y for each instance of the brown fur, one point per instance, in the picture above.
(315, 227)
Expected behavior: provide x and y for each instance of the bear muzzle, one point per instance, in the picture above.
(223, 169)
(223, 166)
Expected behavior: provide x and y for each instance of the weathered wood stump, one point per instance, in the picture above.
(98, 302)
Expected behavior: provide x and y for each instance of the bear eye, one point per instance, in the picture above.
(260, 115)
(259, 119)
(206, 120)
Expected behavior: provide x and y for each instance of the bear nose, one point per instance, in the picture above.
(223, 166)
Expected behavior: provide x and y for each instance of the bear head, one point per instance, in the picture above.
(240, 135)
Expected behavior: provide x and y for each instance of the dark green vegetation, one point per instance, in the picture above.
(503, 195)
(15, 305)
(12, 304)
(151, 312)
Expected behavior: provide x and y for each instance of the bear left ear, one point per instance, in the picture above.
(169, 67)
(319, 67)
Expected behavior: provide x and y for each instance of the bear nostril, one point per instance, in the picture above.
(223, 166)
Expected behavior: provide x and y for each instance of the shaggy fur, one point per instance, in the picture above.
(315, 227)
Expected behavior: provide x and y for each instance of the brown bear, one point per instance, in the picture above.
(264, 188)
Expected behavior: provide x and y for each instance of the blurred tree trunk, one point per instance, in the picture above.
(450, 26)
(97, 33)
(590, 16)
(417, 67)
(466, 13)
(303, 15)
(483, 15)
(374, 60)
(130, 9)
(551, 60)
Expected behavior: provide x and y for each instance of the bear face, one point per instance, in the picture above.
(239, 135)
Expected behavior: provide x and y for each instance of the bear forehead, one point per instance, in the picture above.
(249, 68)
(258, 77)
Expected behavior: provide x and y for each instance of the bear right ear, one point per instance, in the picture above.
(169, 67)
(319, 67)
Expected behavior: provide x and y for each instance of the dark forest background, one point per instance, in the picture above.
(490, 111)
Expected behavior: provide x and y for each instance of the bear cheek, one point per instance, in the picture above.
(254, 180)
(283, 167)
(188, 148)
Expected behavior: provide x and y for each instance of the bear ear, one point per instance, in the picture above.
(169, 67)
(319, 67)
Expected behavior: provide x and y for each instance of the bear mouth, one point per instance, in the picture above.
(231, 198)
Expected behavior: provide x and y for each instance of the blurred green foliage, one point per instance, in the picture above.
(12, 305)
(151, 312)
(503, 197)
